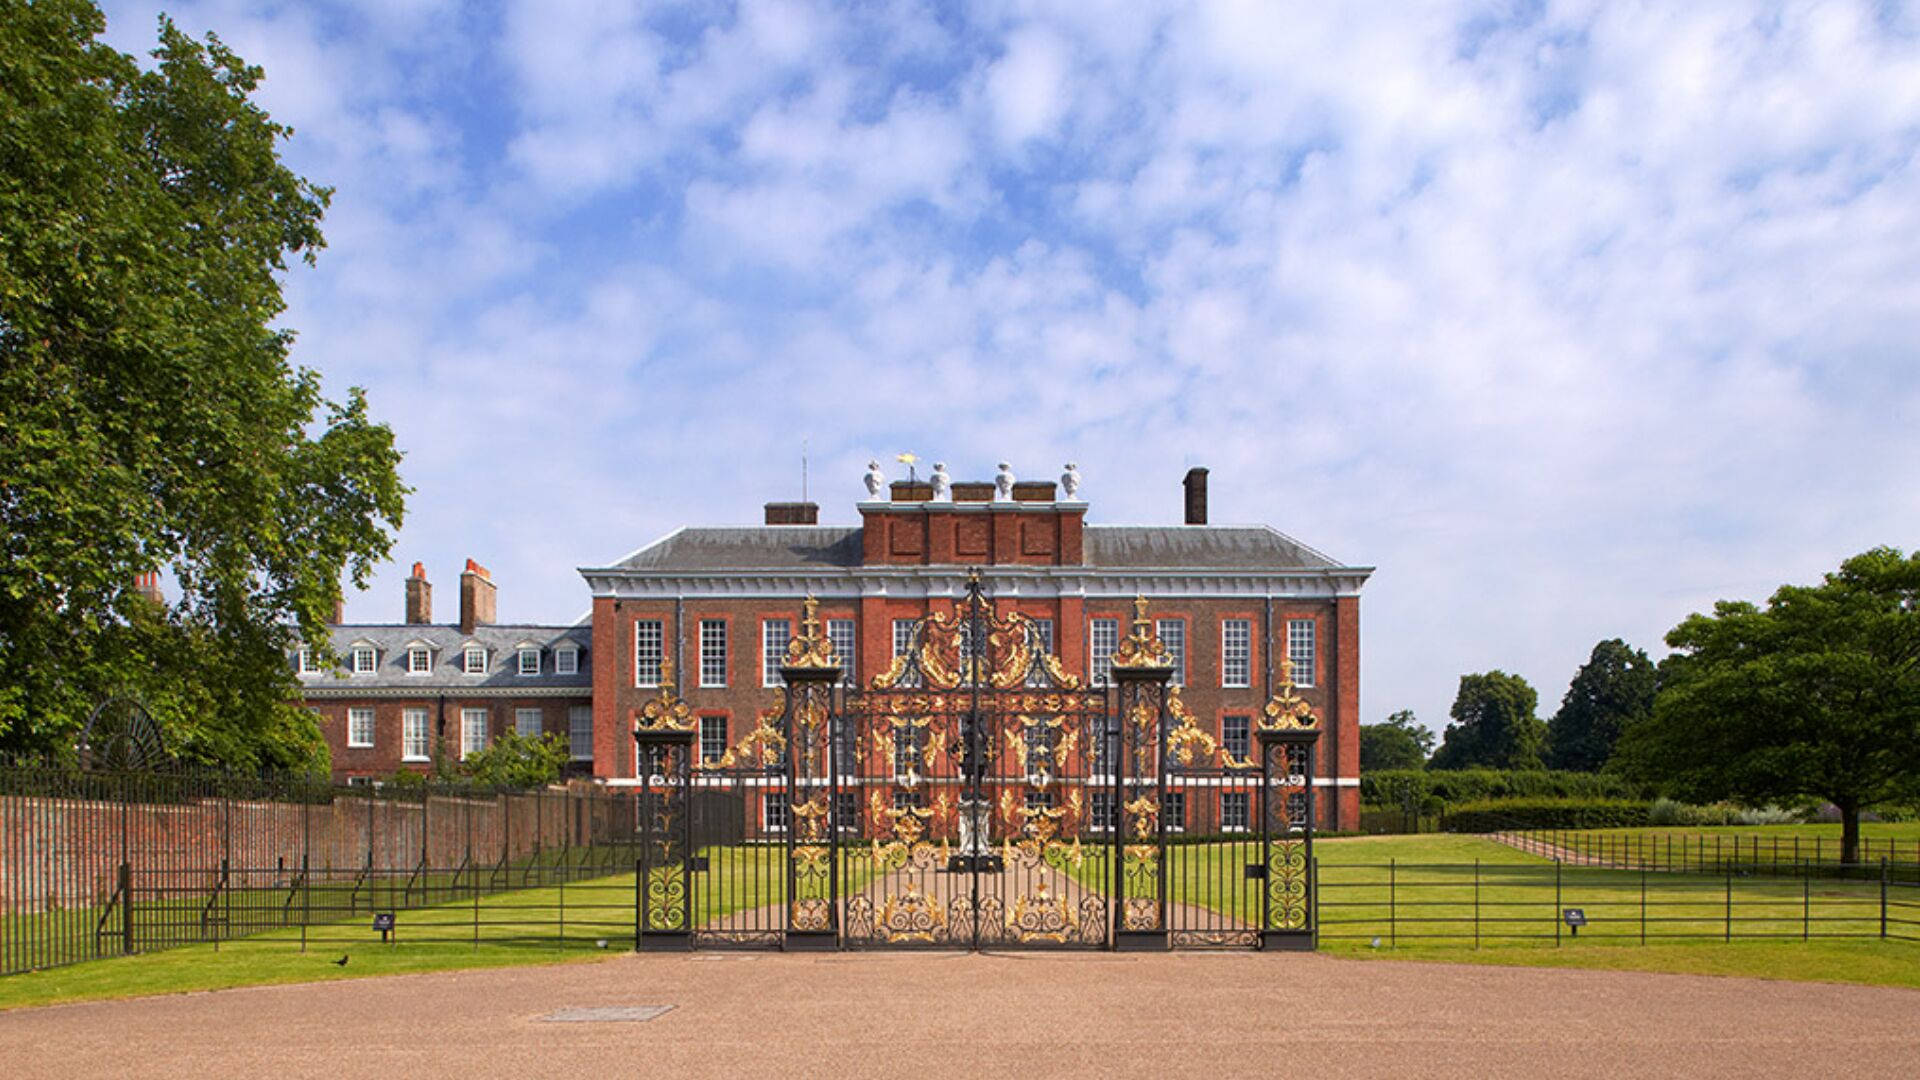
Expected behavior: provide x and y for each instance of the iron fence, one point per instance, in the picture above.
(95, 864)
(1396, 903)
(1718, 853)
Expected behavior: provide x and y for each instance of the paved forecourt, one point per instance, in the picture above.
(954, 1014)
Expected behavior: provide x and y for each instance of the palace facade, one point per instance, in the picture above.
(713, 609)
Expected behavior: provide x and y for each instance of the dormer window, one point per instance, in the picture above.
(529, 661)
(474, 660)
(419, 660)
(303, 663)
(566, 660)
(363, 660)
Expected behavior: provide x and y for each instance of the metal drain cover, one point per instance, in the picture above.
(607, 1014)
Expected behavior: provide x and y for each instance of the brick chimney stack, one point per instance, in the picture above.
(476, 598)
(793, 513)
(1196, 483)
(419, 597)
(148, 586)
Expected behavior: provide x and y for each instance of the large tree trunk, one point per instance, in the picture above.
(1849, 830)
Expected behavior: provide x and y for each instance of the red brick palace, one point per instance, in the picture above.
(718, 606)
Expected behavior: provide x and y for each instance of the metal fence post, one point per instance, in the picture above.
(1643, 905)
(1476, 903)
(125, 884)
(1556, 903)
(1883, 897)
(1806, 905)
(1729, 873)
(1393, 916)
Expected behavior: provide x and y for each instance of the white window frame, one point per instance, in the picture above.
(520, 657)
(713, 739)
(467, 655)
(1103, 637)
(1176, 644)
(902, 636)
(1245, 740)
(1096, 820)
(775, 634)
(468, 738)
(770, 802)
(520, 717)
(1302, 650)
(423, 654)
(1037, 675)
(303, 661)
(1167, 803)
(566, 660)
(649, 651)
(1245, 800)
(355, 717)
(414, 730)
(580, 732)
(713, 653)
(844, 636)
(1236, 657)
(369, 654)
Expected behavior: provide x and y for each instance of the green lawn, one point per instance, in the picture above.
(1417, 895)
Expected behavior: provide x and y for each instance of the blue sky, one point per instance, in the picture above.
(1571, 318)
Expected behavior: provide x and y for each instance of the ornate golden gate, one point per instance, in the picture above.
(976, 795)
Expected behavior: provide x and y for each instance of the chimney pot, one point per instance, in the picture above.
(1196, 484)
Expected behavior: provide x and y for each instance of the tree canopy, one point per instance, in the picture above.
(150, 417)
(1817, 694)
(1494, 725)
(1399, 742)
(1612, 690)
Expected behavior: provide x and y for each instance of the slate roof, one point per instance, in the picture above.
(757, 547)
(390, 641)
(804, 547)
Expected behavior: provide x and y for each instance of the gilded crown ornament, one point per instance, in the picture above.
(665, 711)
(1285, 711)
(811, 649)
(1142, 648)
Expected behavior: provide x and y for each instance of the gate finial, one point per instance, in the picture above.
(812, 649)
(1142, 648)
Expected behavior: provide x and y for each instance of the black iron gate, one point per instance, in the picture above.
(976, 795)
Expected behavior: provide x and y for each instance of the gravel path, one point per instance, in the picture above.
(1031, 1015)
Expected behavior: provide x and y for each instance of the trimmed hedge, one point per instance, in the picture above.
(1435, 787)
(1496, 815)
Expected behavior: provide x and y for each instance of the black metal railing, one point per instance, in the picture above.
(1398, 903)
(1695, 852)
(103, 864)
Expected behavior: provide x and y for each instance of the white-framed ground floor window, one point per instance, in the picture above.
(413, 735)
(473, 732)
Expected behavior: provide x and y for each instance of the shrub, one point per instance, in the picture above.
(1433, 789)
(1494, 815)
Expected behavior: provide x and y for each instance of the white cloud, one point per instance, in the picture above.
(1571, 318)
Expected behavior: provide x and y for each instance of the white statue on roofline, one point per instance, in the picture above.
(1070, 482)
(942, 483)
(1003, 483)
(876, 480)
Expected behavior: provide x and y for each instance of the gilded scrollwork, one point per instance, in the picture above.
(1142, 648)
(665, 711)
(1286, 711)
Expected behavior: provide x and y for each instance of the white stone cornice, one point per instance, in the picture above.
(1037, 582)
(428, 693)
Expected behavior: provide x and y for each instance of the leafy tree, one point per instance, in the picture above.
(1398, 743)
(1494, 725)
(517, 761)
(149, 415)
(1817, 694)
(1612, 690)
